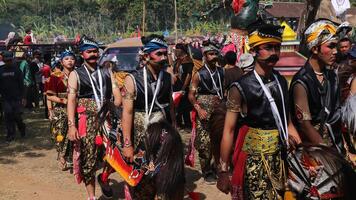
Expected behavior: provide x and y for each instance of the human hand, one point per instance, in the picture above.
(202, 114)
(128, 153)
(73, 134)
(223, 183)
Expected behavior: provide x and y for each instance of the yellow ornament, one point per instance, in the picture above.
(59, 137)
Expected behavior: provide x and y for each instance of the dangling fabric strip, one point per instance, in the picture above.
(98, 100)
(218, 90)
(148, 112)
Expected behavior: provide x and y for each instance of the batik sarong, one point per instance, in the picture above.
(202, 141)
(258, 168)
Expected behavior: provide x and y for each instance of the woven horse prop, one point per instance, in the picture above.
(161, 160)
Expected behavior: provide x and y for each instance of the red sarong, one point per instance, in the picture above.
(239, 159)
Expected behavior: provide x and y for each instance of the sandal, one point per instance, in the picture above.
(65, 165)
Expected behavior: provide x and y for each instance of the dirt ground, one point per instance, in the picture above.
(29, 170)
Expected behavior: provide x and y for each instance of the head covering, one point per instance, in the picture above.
(154, 44)
(67, 53)
(87, 43)
(352, 52)
(246, 60)
(320, 32)
(262, 33)
(7, 55)
(208, 45)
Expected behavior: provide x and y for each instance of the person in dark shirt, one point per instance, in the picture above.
(232, 72)
(183, 71)
(11, 90)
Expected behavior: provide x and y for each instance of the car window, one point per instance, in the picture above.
(126, 58)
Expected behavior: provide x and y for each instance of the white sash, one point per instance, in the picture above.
(282, 127)
(97, 100)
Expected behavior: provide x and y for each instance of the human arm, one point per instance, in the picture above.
(51, 91)
(188, 68)
(233, 106)
(20, 80)
(128, 95)
(293, 135)
(116, 92)
(191, 96)
(307, 131)
(71, 106)
(353, 87)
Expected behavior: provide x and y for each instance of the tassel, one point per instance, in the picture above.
(59, 138)
(98, 140)
(288, 195)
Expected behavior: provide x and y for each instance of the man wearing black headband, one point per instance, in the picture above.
(147, 98)
(207, 84)
(88, 87)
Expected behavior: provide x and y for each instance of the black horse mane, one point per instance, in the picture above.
(164, 145)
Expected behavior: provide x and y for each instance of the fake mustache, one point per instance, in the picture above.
(93, 58)
(163, 63)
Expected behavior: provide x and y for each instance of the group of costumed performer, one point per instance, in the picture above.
(260, 102)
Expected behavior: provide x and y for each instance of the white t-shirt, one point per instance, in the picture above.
(340, 6)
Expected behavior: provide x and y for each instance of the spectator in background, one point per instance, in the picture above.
(27, 40)
(344, 46)
(183, 73)
(27, 79)
(12, 90)
(35, 67)
(232, 73)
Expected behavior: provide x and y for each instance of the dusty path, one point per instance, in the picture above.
(29, 170)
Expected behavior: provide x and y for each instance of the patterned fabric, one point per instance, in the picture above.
(90, 154)
(257, 184)
(202, 140)
(258, 172)
(320, 32)
(140, 132)
(59, 128)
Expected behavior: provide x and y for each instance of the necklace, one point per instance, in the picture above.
(319, 73)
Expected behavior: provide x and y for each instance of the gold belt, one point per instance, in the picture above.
(259, 141)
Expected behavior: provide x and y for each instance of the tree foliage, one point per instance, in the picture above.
(107, 18)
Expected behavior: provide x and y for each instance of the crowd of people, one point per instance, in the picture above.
(257, 136)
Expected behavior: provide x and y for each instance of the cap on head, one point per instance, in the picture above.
(153, 43)
(86, 43)
(320, 32)
(67, 53)
(209, 46)
(261, 33)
